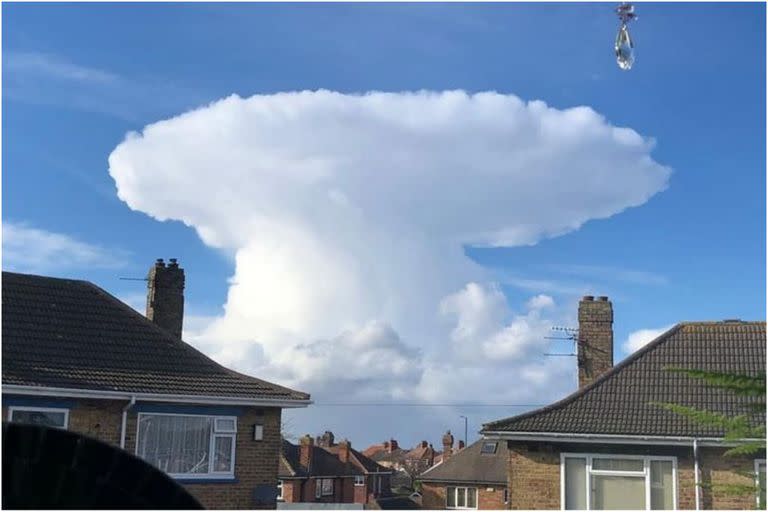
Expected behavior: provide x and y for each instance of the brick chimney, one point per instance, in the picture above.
(165, 296)
(461, 444)
(392, 445)
(306, 444)
(423, 444)
(447, 445)
(344, 449)
(326, 440)
(595, 347)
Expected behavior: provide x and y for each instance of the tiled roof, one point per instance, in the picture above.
(325, 462)
(470, 465)
(72, 334)
(621, 402)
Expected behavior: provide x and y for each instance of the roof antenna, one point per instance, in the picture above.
(568, 334)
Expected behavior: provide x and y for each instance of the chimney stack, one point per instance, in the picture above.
(461, 444)
(447, 445)
(344, 449)
(165, 296)
(326, 440)
(595, 344)
(392, 445)
(305, 451)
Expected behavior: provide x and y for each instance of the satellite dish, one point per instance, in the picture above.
(46, 468)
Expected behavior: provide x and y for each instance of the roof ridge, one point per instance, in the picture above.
(597, 382)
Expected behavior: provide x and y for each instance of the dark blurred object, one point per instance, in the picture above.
(47, 468)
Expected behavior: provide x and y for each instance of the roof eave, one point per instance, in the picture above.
(16, 389)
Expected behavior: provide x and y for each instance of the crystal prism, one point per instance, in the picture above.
(625, 50)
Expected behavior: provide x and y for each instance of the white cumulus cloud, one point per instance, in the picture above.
(640, 338)
(346, 215)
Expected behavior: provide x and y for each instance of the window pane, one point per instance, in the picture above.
(222, 459)
(618, 492)
(661, 485)
(617, 464)
(225, 425)
(44, 418)
(450, 495)
(488, 448)
(575, 484)
(472, 498)
(175, 444)
(461, 497)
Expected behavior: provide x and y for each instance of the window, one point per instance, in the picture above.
(279, 489)
(461, 497)
(607, 482)
(506, 495)
(488, 448)
(760, 476)
(323, 487)
(188, 446)
(46, 416)
(359, 480)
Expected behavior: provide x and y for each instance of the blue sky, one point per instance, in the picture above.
(77, 78)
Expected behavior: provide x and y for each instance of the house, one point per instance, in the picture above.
(474, 477)
(329, 473)
(407, 464)
(77, 358)
(611, 445)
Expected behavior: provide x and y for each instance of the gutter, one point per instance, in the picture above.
(14, 389)
(125, 421)
(610, 438)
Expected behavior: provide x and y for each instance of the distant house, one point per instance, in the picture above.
(329, 473)
(608, 445)
(407, 463)
(475, 478)
(77, 358)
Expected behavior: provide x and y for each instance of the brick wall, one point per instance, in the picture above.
(534, 478)
(489, 497)
(255, 461)
(534, 474)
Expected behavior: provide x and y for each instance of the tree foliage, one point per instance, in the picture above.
(740, 431)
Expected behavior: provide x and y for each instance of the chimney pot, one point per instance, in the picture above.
(602, 298)
(159, 262)
(588, 298)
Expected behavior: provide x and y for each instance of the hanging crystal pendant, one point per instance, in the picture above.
(625, 50)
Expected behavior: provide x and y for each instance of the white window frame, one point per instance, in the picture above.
(13, 408)
(359, 480)
(223, 475)
(646, 474)
(319, 492)
(280, 490)
(456, 497)
(758, 462)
